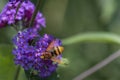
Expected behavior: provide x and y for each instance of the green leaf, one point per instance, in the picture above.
(7, 68)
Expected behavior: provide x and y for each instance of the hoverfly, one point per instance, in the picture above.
(52, 52)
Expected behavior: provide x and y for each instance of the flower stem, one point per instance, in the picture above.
(93, 37)
(35, 13)
(98, 66)
(17, 73)
(17, 9)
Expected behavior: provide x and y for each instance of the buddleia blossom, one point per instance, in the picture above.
(29, 46)
(24, 51)
(17, 0)
(18, 10)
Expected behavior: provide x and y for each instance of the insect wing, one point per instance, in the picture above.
(50, 46)
(56, 60)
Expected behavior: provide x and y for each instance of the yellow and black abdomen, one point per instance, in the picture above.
(53, 53)
(58, 50)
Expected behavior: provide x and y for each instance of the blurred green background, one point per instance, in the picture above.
(66, 18)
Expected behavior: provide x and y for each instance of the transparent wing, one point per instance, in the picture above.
(51, 46)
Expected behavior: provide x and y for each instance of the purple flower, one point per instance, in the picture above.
(29, 47)
(17, 0)
(10, 15)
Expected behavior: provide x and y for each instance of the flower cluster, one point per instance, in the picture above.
(29, 46)
(16, 0)
(18, 10)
